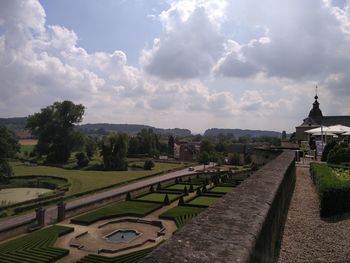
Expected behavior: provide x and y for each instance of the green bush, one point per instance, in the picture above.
(148, 165)
(333, 187)
(339, 154)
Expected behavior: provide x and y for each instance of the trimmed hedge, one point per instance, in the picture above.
(36, 247)
(120, 209)
(333, 191)
(181, 214)
(132, 257)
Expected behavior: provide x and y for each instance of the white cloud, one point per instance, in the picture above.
(269, 53)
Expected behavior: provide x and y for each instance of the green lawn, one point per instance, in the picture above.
(158, 197)
(36, 247)
(181, 187)
(221, 189)
(82, 181)
(204, 200)
(181, 214)
(125, 208)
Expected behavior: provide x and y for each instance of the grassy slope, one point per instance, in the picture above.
(82, 181)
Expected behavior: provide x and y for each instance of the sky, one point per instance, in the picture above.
(193, 64)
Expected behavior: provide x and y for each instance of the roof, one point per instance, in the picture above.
(334, 120)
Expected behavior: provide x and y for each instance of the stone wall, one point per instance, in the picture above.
(245, 225)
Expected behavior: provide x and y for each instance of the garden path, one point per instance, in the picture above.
(308, 238)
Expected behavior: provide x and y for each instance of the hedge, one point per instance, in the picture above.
(124, 208)
(333, 192)
(36, 247)
(132, 257)
(181, 214)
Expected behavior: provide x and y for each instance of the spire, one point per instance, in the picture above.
(316, 97)
(316, 113)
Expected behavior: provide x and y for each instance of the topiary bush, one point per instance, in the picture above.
(148, 165)
(329, 146)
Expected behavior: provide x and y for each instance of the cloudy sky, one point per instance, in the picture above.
(191, 64)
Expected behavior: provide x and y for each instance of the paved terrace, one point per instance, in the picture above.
(51, 212)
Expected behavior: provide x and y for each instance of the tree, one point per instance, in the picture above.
(90, 146)
(8, 148)
(171, 143)
(114, 149)
(284, 135)
(233, 159)
(207, 146)
(148, 165)
(54, 127)
(82, 159)
(204, 158)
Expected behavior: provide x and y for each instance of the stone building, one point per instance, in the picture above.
(186, 151)
(315, 119)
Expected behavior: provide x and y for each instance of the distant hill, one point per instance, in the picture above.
(131, 129)
(15, 123)
(239, 133)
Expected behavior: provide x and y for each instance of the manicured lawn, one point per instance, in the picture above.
(158, 197)
(125, 208)
(82, 181)
(181, 214)
(181, 187)
(221, 189)
(36, 247)
(204, 200)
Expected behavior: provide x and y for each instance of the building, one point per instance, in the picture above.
(315, 119)
(186, 151)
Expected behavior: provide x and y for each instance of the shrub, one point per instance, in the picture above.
(338, 155)
(148, 165)
(191, 190)
(185, 191)
(166, 200)
(333, 187)
(151, 189)
(329, 146)
(233, 159)
(181, 201)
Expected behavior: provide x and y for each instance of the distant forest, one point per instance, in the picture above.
(133, 129)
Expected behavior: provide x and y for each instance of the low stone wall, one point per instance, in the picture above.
(245, 225)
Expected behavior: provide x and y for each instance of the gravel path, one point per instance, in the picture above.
(306, 237)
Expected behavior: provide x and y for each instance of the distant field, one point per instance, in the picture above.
(28, 142)
(82, 181)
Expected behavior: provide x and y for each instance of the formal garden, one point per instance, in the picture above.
(179, 202)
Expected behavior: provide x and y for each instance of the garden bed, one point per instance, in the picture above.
(120, 209)
(35, 247)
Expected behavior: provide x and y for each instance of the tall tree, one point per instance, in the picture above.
(114, 148)
(8, 148)
(171, 143)
(54, 127)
